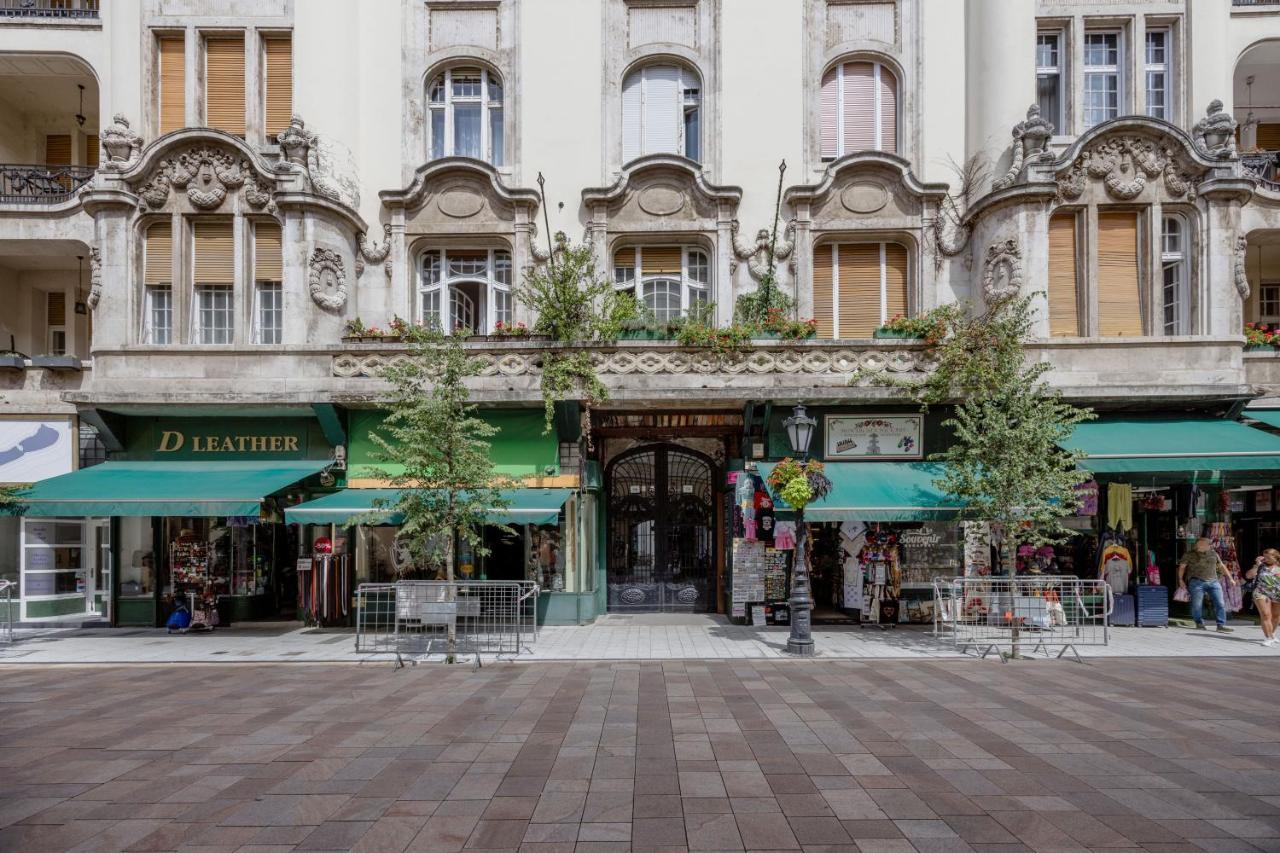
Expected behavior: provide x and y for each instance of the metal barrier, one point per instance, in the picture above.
(944, 612)
(417, 619)
(6, 611)
(992, 614)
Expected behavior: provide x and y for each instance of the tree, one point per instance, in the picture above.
(1006, 465)
(438, 450)
(574, 305)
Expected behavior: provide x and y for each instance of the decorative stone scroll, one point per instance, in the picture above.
(327, 280)
(207, 175)
(95, 277)
(372, 252)
(1241, 271)
(756, 253)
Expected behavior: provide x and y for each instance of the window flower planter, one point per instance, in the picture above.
(890, 335)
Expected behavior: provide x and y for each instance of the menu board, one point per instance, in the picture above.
(929, 551)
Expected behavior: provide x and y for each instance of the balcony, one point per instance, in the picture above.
(37, 184)
(49, 9)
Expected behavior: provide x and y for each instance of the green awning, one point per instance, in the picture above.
(524, 506)
(880, 491)
(1270, 417)
(164, 488)
(1201, 450)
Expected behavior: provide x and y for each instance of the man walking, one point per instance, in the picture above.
(1204, 566)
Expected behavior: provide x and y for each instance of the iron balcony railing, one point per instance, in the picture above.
(1255, 2)
(1263, 167)
(35, 184)
(48, 8)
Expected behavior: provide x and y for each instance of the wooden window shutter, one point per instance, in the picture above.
(1269, 137)
(1064, 284)
(859, 107)
(224, 83)
(660, 260)
(888, 110)
(159, 254)
(173, 84)
(55, 308)
(92, 147)
(1119, 295)
(895, 281)
(278, 51)
(823, 295)
(830, 113)
(214, 253)
(57, 150)
(858, 280)
(625, 257)
(268, 264)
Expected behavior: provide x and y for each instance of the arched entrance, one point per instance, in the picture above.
(661, 530)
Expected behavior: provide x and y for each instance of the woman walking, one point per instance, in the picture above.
(1264, 577)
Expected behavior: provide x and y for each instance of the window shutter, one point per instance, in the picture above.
(279, 83)
(1064, 288)
(830, 112)
(895, 281)
(625, 257)
(858, 280)
(92, 146)
(632, 107)
(660, 260)
(1119, 297)
(267, 262)
(662, 111)
(173, 84)
(159, 254)
(859, 107)
(1268, 137)
(224, 83)
(57, 150)
(55, 308)
(823, 305)
(888, 111)
(214, 253)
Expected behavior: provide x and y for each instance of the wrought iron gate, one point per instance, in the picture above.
(661, 528)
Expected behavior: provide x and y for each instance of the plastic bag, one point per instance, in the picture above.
(1182, 595)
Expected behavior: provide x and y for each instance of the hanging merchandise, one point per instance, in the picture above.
(784, 535)
(1115, 563)
(879, 561)
(1087, 498)
(1153, 570)
(853, 536)
(1119, 506)
(765, 521)
(1224, 543)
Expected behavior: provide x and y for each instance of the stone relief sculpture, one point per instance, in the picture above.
(1241, 271)
(756, 254)
(1002, 270)
(332, 170)
(120, 143)
(294, 141)
(327, 280)
(1215, 134)
(372, 252)
(95, 277)
(207, 174)
(1030, 144)
(1125, 165)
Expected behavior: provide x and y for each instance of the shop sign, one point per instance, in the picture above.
(873, 437)
(249, 439)
(32, 450)
(932, 547)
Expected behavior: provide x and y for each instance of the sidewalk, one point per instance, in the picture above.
(613, 637)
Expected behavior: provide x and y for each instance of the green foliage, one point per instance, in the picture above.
(1006, 465)
(929, 327)
(448, 483)
(799, 483)
(755, 308)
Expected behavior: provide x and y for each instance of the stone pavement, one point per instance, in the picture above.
(879, 757)
(612, 637)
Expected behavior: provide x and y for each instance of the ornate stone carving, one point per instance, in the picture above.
(120, 143)
(864, 197)
(756, 254)
(661, 200)
(1030, 143)
(1215, 134)
(1002, 270)
(294, 141)
(207, 174)
(95, 277)
(950, 231)
(372, 252)
(1241, 271)
(1125, 165)
(328, 279)
(332, 170)
(460, 203)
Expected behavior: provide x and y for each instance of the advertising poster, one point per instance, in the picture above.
(873, 437)
(32, 450)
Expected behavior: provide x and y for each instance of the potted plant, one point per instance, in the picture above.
(901, 327)
(357, 332)
(1259, 336)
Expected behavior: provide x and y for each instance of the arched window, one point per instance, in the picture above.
(661, 112)
(858, 287)
(465, 289)
(859, 109)
(1176, 291)
(668, 279)
(465, 107)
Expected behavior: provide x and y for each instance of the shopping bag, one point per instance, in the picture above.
(1182, 595)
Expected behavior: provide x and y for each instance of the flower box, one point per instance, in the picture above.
(372, 339)
(642, 335)
(1259, 348)
(890, 335)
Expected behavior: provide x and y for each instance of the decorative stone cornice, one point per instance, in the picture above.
(843, 170)
(1030, 144)
(686, 177)
(426, 176)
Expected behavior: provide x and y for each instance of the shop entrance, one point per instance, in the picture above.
(661, 536)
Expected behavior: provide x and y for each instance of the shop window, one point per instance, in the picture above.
(858, 287)
(465, 113)
(92, 450)
(1119, 288)
(470, 287)
(1064, 287)
(157, 318)
(1175, 290)
(859, 105)
(171, 99)
(669, 280)
(277, 83)
(661, 112)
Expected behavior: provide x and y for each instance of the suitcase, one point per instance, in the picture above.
(1153, 606)
(1124, 613)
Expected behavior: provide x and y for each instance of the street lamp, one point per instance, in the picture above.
(800, 432)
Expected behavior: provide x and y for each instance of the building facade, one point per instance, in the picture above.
(200, 197)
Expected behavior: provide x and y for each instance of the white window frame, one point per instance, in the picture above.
(1058, 72)
(691, 290)
(1103, 71)
(264, 333)
(51, 347)
(442, 292)
(83, 570)
(1263, 298)
(689, 81)
(876, 112)
(149, 311)
(494, 155)
(198, 327)
(1165, 68)
(1175, 258)
(884, 280)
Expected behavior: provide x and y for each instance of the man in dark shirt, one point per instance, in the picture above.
(1204, 567)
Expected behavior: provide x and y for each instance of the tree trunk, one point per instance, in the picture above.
(451, 595)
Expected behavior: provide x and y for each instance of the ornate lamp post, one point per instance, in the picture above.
(800, 432)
